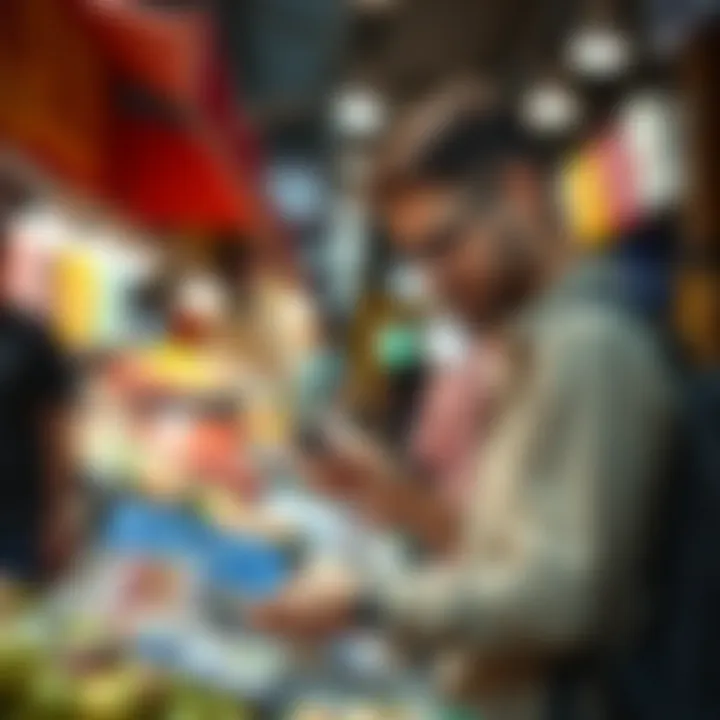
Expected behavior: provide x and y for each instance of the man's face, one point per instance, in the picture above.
(457, 247)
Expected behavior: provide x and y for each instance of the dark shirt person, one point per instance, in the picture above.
(34, 468)
(555, 529)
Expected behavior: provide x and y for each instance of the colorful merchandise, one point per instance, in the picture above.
(78, 286)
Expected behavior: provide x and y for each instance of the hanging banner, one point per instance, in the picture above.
(585, 197)
(629, 174)
(52, 89)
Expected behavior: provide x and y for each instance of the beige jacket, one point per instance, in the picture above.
(557, 525)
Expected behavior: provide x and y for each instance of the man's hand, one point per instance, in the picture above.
(351, 467)
(318, 604)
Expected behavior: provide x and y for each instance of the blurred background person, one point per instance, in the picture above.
(38, 483)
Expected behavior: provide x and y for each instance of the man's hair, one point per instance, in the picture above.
(459, 137)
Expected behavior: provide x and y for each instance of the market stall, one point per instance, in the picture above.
(185, 447)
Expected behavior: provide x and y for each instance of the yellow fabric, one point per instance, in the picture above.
(77, 298)
(585, 196)
(181, 366)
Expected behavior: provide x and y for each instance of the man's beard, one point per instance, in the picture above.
(519, 273)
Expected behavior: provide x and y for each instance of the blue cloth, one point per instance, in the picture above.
(235, 563)
(137, 527)
(244, 565)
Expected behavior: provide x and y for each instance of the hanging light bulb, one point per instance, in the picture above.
(551, 108)
(599, 52)
(359, 112)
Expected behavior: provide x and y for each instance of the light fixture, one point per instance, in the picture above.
(599, 52)
(551, 108)
(359, 112)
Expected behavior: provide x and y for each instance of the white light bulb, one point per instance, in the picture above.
(551, 108)
(359, 112)
(599, 52)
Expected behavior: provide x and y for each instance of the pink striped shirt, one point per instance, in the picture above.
(448, 433)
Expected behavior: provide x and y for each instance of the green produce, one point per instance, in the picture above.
(50, 695)
(19, 658)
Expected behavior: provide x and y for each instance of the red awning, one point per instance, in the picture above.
(184, 173)
(173, 177)
(159, 49)
(60, 63)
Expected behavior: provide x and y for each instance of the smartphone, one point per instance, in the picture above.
(312, 439)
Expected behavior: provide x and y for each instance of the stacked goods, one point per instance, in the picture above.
(167, 422)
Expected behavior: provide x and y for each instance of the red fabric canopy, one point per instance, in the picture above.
(61, 65)
(201, 170)
(172, 177)
(159, 49)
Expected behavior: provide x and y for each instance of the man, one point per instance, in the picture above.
(552, 542)
(35, 489)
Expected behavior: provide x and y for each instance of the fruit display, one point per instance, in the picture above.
(73, 674)
(52, 694)
(19, 656)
